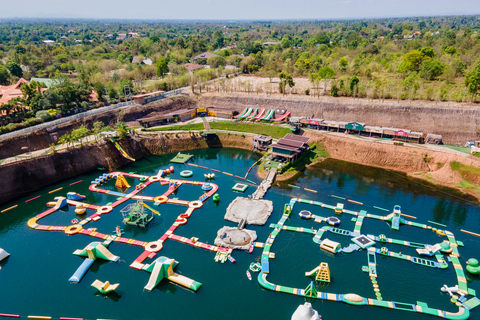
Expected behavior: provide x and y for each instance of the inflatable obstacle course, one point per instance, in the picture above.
(451, 249)
(240, 187)
(121, 182)
(181, 158)
(162, 268)
(104, 287)
(93, 251)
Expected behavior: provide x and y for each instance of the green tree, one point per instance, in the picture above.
(472, 80)
(80, 133)
(66, 139)
(431, 69)
(3, 75)
(122, 129)
(14, 69)
(19, 49)
(353, 83)
(216, 62)
(161, 68)
(97, 128)
(428, 52)
(285, 79)
(450, 50)
(313, 78)
(218, 39)
(285, 42)
(412, 60)
(100, 90)
(325, 74)
(343, 63)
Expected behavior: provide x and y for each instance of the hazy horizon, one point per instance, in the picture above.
(224, 10)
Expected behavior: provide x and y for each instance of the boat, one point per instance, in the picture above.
(249, 276)
(251, 249)
(231, 259)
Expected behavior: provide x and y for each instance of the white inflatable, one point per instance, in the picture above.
(451, 290)
(306, 312)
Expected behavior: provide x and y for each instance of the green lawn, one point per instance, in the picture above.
(180, 127)
(459, 148)
(276, 132)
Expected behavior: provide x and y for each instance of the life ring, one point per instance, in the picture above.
(195, 204)
(140, 186)
(76, 228)
(154, 179)
(440, 233)
(186, 173)
(104, 209)
(154, 246)
(160, 199)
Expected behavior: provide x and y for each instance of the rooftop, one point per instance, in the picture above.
(205, 55)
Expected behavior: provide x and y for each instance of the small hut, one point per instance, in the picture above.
(433, 138)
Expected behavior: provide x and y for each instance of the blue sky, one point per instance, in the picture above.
(238, 9)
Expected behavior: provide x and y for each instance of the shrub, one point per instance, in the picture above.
(43, 115)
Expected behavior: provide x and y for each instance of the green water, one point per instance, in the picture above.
(34, 280)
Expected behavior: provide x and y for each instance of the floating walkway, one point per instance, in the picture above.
(354, 299)
(150, 248)
(265, 185)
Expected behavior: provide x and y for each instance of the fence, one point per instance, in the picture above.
(78, 116)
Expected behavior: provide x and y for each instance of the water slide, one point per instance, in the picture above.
(268, 115)
(154, 277)
(313, 272)
(260, 114)
(246, 114)
(152, 210)
(78, 275)
(241, 113)
(282, 117)
(124, 154)
(254, 113)
(102, 252)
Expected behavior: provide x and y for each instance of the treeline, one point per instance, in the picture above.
(430, 58)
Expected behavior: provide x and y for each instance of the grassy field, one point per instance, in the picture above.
(276, 132)
(459, 148)
(180, 127)
(312, 155)
(470, 175)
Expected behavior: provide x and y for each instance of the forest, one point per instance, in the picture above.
(419, 58)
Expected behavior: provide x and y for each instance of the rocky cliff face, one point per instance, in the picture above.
(26, 176)
(456, 123)
(41, 139)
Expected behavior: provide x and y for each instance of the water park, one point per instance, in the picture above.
(190, 225)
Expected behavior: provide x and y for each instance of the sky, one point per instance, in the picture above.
(235, 10)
